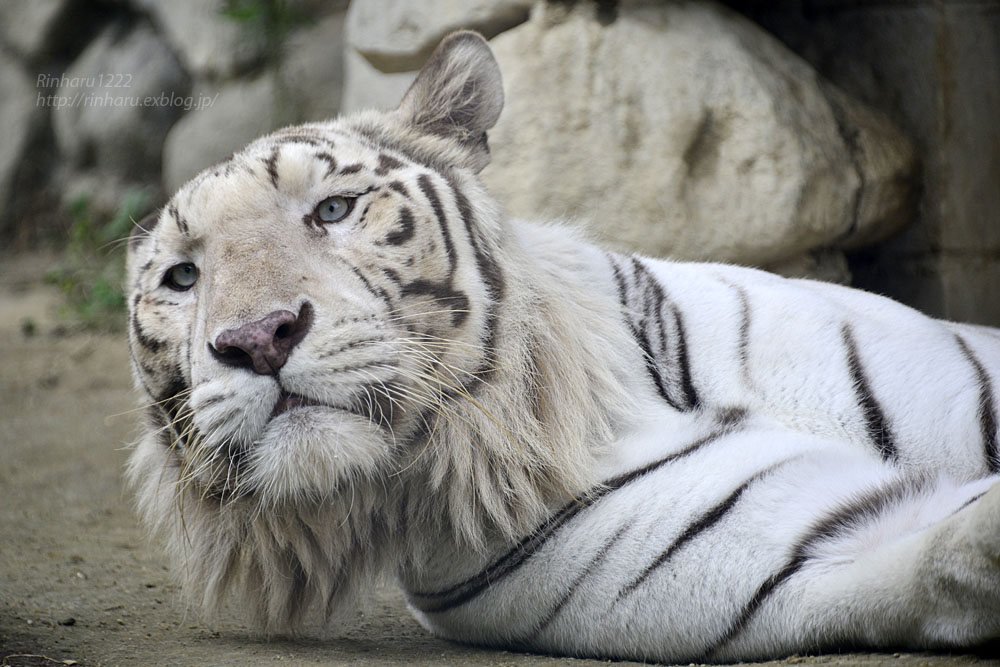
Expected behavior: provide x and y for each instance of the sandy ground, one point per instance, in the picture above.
(80, 584)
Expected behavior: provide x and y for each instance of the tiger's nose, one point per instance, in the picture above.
(263, 346)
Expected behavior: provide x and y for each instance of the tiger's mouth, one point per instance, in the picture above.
(289, 401)
(375, 407)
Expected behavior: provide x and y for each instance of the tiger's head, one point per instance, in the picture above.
(295, 310)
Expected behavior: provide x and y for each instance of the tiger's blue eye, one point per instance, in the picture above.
(334, 209)
(181, 277)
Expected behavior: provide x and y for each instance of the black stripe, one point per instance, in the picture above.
(691, 400)
(620, 281)
(362, 219)
(351, 168)
(877, 425)
(700, 525)
(179, 220)
(148, 342)
(589, 568)
(331, 163)
(405, 231)
(967, 503)
(306, 132)
(987, 412)
(450, 298)
(454, 596)
(392, 276)
(271, 165)
(654, 369)
(377, 292)
(866, 506)
(145, 373)
(387, 163)
(639, 334)
(491, 273)
(377, 138)
(743, 340)
(430, 193)
(651, 307)
(173, 407)
(309, 140)
(678, 389)
(397, 186)
(488, 266)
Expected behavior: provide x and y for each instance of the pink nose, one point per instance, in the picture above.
(263, 346)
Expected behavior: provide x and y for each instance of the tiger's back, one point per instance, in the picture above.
(812, 444)
(356, 367)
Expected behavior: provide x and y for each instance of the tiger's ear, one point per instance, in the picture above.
(458, 95)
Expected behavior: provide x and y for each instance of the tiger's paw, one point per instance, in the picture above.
(982, 527)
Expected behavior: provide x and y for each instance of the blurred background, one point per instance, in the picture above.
(846, 140)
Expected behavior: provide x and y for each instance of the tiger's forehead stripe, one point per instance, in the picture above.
(179, 220)
(271, 165)
(387, 163)
(331, 162)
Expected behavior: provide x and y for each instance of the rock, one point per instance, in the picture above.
(878, 151)
(367, 88)
(28, 27)
(399, 35)
(682, 129)
(312, 70)
(239, 112)
(116, 103)
(20, 117)
(307, 86)
(824, 264)
(209, 42)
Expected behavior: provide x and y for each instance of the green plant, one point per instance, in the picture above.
(92, 270)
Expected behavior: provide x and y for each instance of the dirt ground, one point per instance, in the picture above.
(79, 582)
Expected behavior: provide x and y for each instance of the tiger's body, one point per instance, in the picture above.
(357, 367)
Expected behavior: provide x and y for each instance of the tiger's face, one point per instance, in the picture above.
(297, 311)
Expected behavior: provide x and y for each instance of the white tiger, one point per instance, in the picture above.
(357, 367)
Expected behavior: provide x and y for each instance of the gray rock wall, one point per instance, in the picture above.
(934, 69)
(102, 99)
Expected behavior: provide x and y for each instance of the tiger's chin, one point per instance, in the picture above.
(310, 452)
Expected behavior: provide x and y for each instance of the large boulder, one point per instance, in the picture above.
(312, 69)
(210, 42)
(683, 129)
(20, 116)
(398, 35)
(117, 102)
(28, 28)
